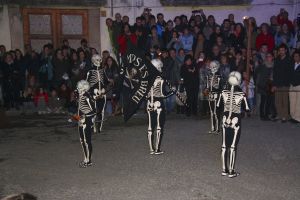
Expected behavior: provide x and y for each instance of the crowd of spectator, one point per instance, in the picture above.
(186, 46)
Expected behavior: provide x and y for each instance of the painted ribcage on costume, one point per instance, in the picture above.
(213, 82)
(157, 88)
(95, 77)
(83, 104)
(232, 102)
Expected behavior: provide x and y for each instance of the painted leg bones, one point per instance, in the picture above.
(233, 100)
(86, 112)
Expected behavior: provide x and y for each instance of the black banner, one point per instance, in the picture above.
(138, 77)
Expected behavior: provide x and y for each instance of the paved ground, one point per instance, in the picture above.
(40, 154)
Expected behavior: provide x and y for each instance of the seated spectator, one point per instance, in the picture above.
(41, 99)
(55, 105)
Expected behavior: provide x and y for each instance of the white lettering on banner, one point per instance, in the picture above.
(140, 93)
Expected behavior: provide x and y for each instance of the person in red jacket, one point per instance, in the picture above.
(265, 38)
(283, 18)
(41, 99)
(126, 39)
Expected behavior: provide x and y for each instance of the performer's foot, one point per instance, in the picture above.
(158, 152)
(233, 174)
(217, 132)
(84, 164)
(224, 173)
(152, 152)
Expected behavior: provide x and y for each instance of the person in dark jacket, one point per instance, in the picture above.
(282, 72)
(190, 75)
(11, 82)
(263, 74)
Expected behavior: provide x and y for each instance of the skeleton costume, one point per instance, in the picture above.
(233, 100)
(156, 110)
(86, 113)
(213, 87)
(97, 80)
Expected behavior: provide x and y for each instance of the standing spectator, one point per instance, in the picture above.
(84, 47)
(46, 68)
(237, 38)
(273, 24)
(231, 18)
(160, 25)
(112, 75)
(22, 66)
(199, 45)
(190, 75)
(154, 40)
(203, 65)
(126, 40)
(187, 40)
(284, 36)
(175, 42)
(239, 63)
(11, 82)
(282, 72)
(264, 76)
(224, 70)
(61, 68)
(265, 38)
(248, 87)
(168, 33)
(283, 18)
(295, 88)
(178, 25)
(209, 27)
(113, 35)
(2, 52)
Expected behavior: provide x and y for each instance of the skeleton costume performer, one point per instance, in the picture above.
(156, 110)
(213, 87)
(86, 113)
(233, 100)
(97, 80)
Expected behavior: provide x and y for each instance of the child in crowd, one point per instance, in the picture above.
(41, 101)
(55, 104)
(27, 99)
(249, 90)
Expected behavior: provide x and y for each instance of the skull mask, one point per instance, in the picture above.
(157, 64)
(96, 60)
(214, 66)
(83, 86)
(235, 78)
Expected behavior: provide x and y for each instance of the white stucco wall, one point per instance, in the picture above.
(5, 37)
(262, 10)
